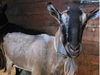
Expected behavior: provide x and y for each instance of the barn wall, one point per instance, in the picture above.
(33, 14)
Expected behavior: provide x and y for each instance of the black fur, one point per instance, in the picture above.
(75, 25)
(10, 27)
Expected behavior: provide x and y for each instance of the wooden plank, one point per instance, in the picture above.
(88, 9)
(89, 35)
(90, 48)
(9, 2)
(0, 2)
(85, 59)
(91, 32)
(88, 70)
(38, 7)
(31, 20)
(30, 8)
(27, 1)
(35, 1)
(88, 61)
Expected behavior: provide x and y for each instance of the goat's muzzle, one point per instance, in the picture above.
(73, 50)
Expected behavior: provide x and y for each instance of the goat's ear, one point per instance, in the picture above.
(4, 7)
(93, 14)
(53, 11)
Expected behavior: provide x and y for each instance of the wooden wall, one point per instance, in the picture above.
(33, 14)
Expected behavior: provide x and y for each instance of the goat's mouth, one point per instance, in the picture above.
(73, 52)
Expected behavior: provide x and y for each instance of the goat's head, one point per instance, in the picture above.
(3, 18)
(72, 23)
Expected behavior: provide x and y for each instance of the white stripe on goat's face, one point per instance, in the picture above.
(72, 23)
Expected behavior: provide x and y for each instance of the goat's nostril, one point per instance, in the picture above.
(70, 46)
(77, 47)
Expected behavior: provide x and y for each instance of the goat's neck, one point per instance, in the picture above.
(69, 65)
(58, 44)
(57, 38)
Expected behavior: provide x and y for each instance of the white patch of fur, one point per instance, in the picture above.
(65, 18)
(70, 66)
(20, 37)
(60, 48)
(83, 18)
(46, 37)
(16, 36)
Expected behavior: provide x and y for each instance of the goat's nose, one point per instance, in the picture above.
(74, 47)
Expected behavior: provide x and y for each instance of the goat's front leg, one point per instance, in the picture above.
(9, 65)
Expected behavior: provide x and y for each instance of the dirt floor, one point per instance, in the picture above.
(5, 73)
